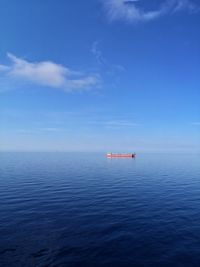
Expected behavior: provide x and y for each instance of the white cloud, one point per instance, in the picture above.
(131, 11)
(47, 73)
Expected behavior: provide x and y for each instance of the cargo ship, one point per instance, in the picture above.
(120, 155)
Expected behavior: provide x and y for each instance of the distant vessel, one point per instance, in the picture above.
(120, 155)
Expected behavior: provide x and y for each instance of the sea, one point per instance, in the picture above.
(82, 209)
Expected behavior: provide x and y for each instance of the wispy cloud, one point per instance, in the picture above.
(111, 72)
(132, 11)
(47, 73)
(3, 68)
(101, 60)
(196, 123)
(97, 52)
(120, 124)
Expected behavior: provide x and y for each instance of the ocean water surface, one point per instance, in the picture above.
(82, 209)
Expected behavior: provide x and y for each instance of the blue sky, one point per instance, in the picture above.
(100, 75)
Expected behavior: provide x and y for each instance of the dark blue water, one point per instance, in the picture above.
(60, 209)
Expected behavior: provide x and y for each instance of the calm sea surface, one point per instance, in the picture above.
(61, 209)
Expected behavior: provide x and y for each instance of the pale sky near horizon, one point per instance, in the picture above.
(100, 75)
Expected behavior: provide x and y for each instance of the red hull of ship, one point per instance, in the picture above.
(110, 155)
